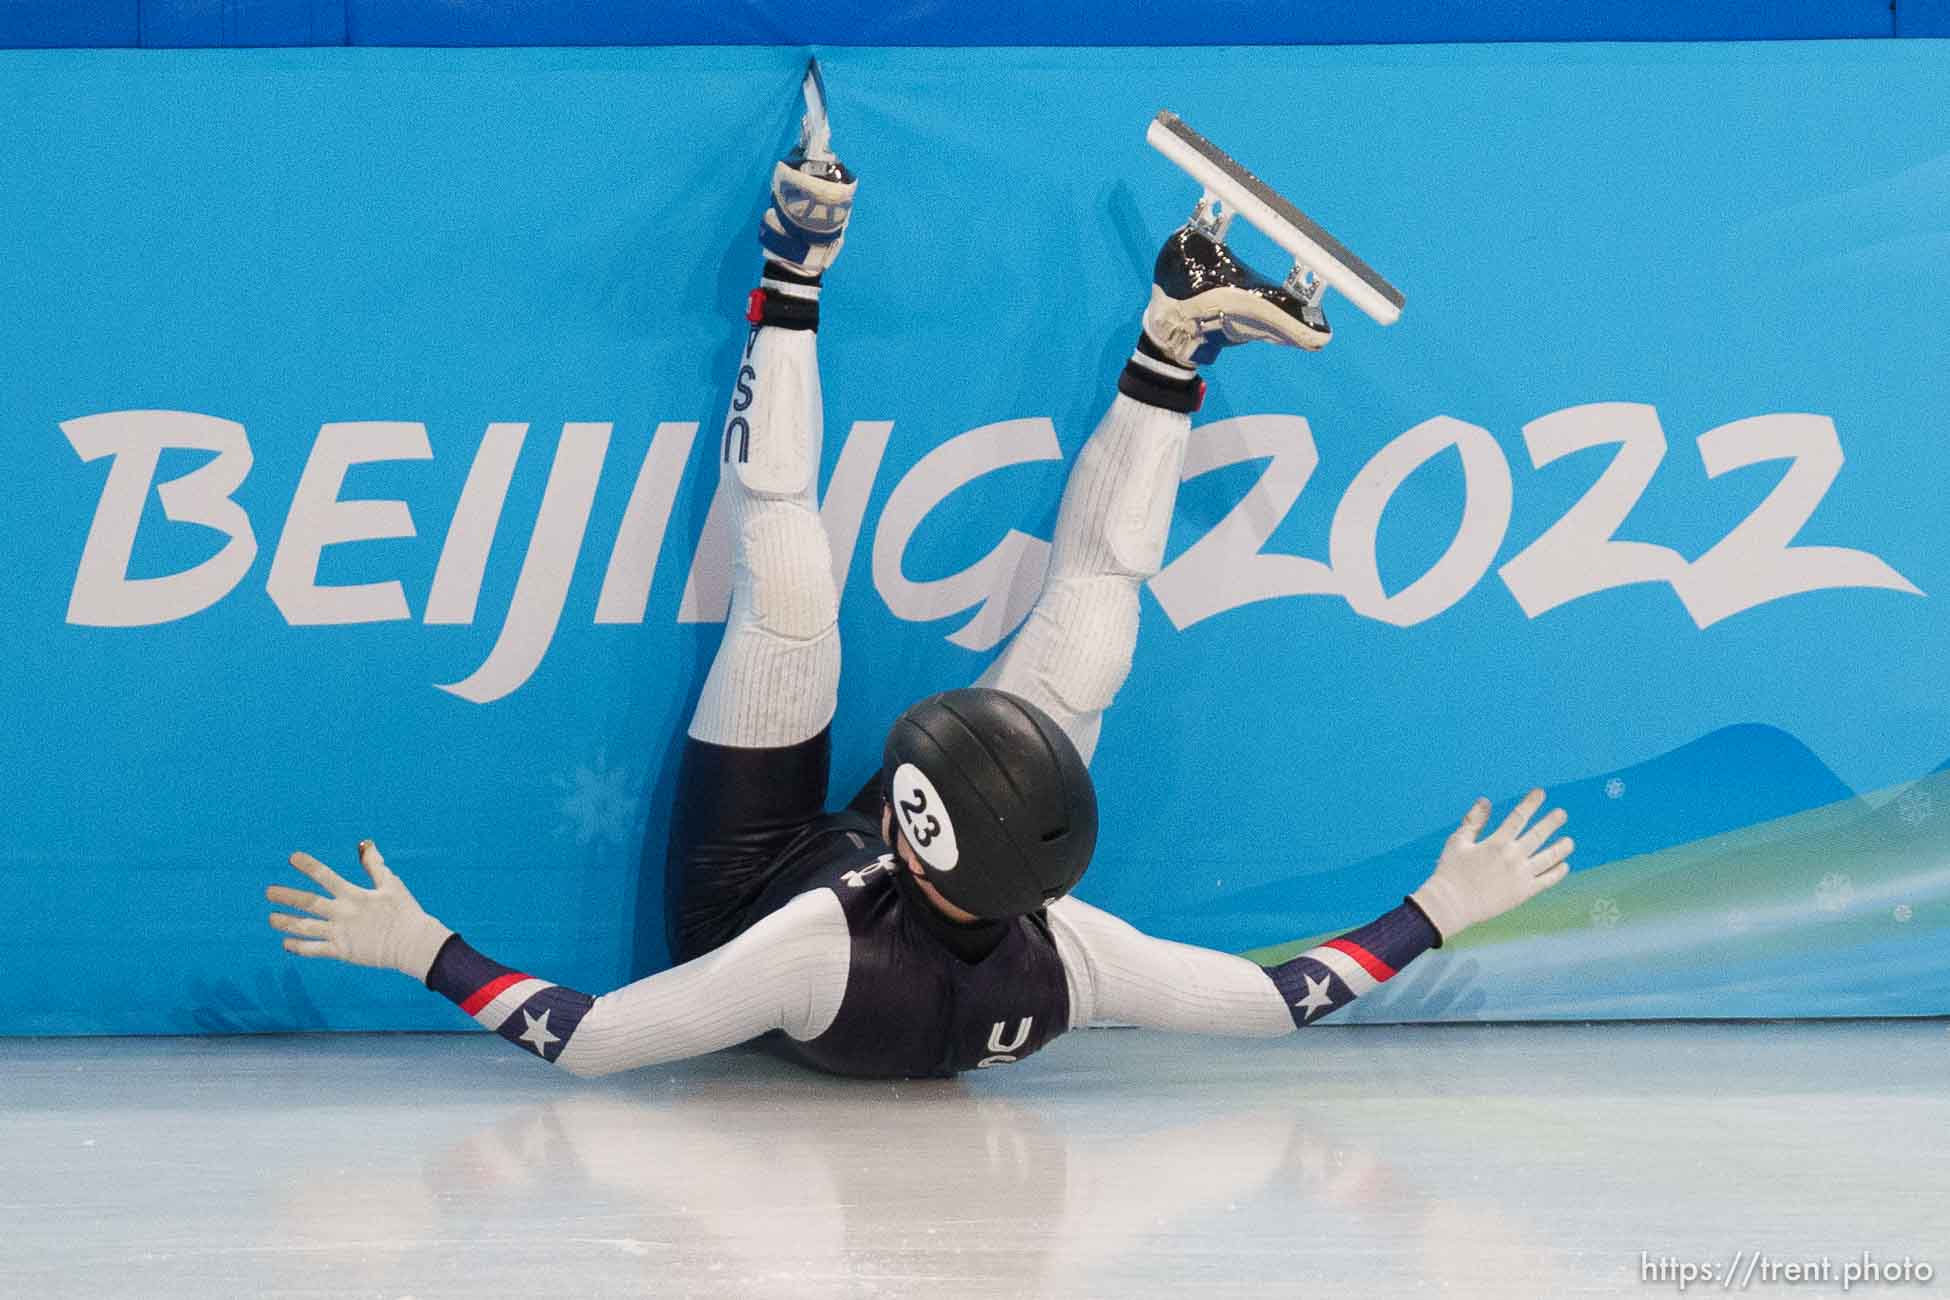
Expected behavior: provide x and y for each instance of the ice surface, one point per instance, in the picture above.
(1459, 1160)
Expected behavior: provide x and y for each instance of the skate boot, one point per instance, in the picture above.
(1204, 299)
(805, 224)
(812, 193)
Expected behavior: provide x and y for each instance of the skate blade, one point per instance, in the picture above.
(1275, 217)
(815, 133)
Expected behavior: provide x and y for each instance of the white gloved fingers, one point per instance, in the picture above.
(1520, 816)
(1472, 822)
(384, 881)
(301, 900)
(1551, 877)
(308, 926)
(1533, 839)
(327, 879)
(1478, 879)
(310, 948)
(375, 865)
(384, 926)
(1551, 856)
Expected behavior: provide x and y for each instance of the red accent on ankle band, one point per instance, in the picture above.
(1201, 395)
(755, 307)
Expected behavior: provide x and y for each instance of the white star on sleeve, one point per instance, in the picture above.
(537, 1035)
(1317, 997)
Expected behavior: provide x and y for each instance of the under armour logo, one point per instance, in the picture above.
(858, 879)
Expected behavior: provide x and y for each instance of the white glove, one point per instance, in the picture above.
(1476, 880)
(383, 926)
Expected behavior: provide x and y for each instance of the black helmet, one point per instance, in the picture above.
(994, 799)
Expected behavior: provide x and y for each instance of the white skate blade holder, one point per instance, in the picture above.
(1242, 193)
(815, 133)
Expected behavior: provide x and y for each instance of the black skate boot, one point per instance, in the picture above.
(1204, 299)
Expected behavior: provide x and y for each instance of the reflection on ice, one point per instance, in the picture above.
(1474, 1160)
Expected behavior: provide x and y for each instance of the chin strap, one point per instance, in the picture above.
(968, 940)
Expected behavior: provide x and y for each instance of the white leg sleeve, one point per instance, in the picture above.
(776, 677)
(1074, 650)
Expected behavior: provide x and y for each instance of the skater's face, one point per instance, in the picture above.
(905, 852)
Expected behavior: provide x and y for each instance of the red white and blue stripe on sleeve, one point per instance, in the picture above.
(1330, 975)
(533, 1013)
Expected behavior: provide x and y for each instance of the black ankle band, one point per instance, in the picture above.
(1152, 377)
(1153, 389)
(782, 310)
(779, 271)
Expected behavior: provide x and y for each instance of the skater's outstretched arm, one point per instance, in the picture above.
(1118, 975)
(786, 972)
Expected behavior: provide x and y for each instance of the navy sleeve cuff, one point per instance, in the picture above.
(1330, 975)
(533, 1013)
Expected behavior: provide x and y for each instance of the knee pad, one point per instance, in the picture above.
(764, 691)
(788, 562)
(775, 679)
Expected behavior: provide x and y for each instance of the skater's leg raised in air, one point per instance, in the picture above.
(754, 770)
(974, 951)
(776, 675)
(1074, 651)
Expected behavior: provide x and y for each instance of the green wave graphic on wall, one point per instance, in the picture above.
(1843, 910)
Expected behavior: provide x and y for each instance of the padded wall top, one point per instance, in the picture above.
(179, 23)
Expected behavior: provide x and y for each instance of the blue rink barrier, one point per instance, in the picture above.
(1641, 500)
(168, 23)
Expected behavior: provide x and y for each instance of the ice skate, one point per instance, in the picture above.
(812, 194)
(1203, 298)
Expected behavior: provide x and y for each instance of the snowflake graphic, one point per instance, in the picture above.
(1915, 807)
(1835, 891)
(1737, 921)
(1605, 913)
(1614, 789)
(1902, 914)
(599, 803)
